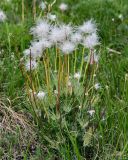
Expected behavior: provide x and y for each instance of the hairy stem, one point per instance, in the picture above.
(34, 9)
(82, 61)
(22, 10)
(75, 61)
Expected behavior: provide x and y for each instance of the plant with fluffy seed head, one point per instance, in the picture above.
(66, 29)
(36, 49)
(55, 35)
(88, 27)
(67, 47)
(41, 29)
(91, 41)
(45, 43)
(76, 38)
(2, 16)
(31, 65)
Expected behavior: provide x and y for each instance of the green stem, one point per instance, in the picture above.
(75, 61)
(56, 59)
(82, 61)
(22, 10)
(84, 75)
(34, 9)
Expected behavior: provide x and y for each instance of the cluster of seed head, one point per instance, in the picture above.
(64, 36)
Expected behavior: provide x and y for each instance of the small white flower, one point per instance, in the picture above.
(69, 84)
(31, 65)
(101, 136)
(94, 75)
(97, 86)
(77, 75)
(113, 19)
(88, 27)
(43, 6)
(41, 29)
(76, 38)
(2, 16)
(80, 107)
(8, 1)
(120, 16)
(41, 95)
(67, 47)
(91, 41)
(63, 7)
(55, 92)
(86, 94)
(55, 71)
(91, 112)
(51, 17)
(103, 119)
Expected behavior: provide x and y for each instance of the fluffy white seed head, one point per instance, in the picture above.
(63, 7)
(91, 41)
(67, 47)
(2, 16)
(41, 95)
(41, 29)
(76, 38)
(60, 34)
(46, 43)
(36, 49)
(88, 27)
(66, 29)
(55, 35)
(31, 65)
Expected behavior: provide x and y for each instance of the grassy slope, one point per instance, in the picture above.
(113, 70)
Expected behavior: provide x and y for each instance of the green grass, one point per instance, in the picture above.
(105, 135)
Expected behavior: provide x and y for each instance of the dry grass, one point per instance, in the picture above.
(9, 119)
(17, 133)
